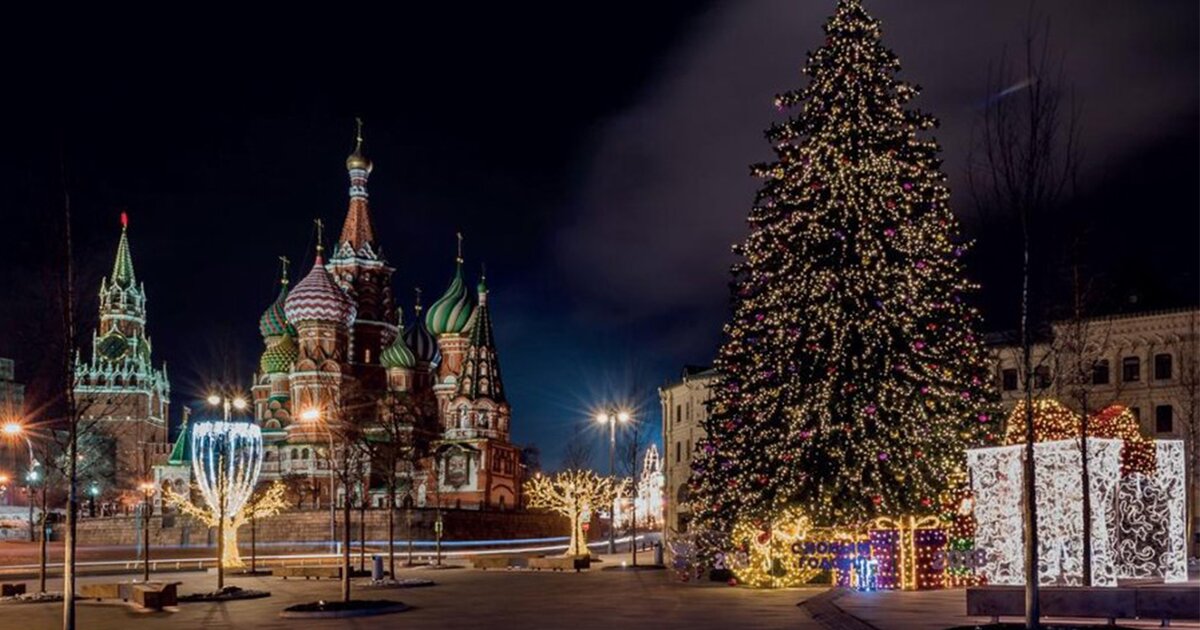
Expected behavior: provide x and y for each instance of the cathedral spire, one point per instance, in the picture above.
(480, 376)
(122, 273)
(357, 231)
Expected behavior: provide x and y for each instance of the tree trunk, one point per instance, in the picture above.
(1087, 492)
(391, 529)
(1032, 603)
(42, 544)
(362, 529)
(346, 547)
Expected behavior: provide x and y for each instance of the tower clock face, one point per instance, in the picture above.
(113, 346)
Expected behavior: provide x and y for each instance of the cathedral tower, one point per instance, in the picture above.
(119, 389)
(322, 315)
(272, 387)
(359, 268)
(448, 319)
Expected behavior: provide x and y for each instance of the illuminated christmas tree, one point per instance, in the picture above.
(852, 375)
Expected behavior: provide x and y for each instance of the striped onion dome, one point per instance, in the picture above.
(317, 298)
(450, 314)
(398, 355)
(279, 356)
(273, 322)
(421, 342)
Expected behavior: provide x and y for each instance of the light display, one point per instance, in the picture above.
(1150, 513)
(647, 495)
(770, 559)
(572, 493)
(262, 505)
(1052, 420)
(852, 375)
(997, 475)
(226, 461)
(915, 541)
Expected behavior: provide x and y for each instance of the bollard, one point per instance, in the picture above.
(377, 568)
(658, 553)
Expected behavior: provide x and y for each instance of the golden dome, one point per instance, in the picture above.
(357, 160)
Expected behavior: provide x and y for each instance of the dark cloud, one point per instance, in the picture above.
(668, 188)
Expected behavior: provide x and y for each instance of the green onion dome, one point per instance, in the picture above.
(279, 356)
(398, 355)
(273, 322)
(450, 314)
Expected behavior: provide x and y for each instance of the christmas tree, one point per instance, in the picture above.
(852, 375)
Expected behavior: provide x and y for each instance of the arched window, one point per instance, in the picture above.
(295, 454)
(304, 454)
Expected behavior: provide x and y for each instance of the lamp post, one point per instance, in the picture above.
(12, 430)
(227, 405)
(313, 415)
(612, 416)
(93, 492)
(147, 488)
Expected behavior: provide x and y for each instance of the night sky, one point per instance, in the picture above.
(593, 154)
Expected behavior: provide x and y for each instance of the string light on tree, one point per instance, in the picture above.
(852, 375)
(573, 493)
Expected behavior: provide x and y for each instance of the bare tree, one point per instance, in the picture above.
(1189, 404)
(1026, 157)
(633, 443)
(404, 438)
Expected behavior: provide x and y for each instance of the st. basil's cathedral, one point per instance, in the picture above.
(336, 348)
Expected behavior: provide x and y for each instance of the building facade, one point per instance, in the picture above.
(1149, 362)
(337, 350)
(119, 393)
(684, 409)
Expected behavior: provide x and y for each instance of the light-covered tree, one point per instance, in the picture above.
(572, 493)
(265, 503)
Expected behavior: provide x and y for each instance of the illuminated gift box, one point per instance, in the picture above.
(1137, 523)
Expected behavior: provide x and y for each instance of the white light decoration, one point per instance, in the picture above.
(226, 460)
(1137, 521)
(1151, 537)
(998, 479)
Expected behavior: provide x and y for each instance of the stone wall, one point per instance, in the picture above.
(312, 526)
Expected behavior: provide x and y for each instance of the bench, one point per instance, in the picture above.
(155, 595)
(12, 590)
(559, 563)
(106, 590)
(1164, 602)
(490, 562)
(317, 572)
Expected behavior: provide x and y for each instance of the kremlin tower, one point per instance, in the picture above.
(119, 389)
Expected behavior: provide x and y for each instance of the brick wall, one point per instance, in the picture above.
(312, 526)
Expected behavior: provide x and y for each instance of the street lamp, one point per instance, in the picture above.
(312, 415)
(93, 492)
(147, 488)
(11, 430)
(612, 416)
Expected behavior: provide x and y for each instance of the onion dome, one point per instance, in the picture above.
(356, 160)
(418, 338)
(398, 355)
(273, 322)
(318, 298)
(450, 314)
(279, 356)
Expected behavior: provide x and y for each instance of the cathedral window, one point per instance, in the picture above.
(304, 454)
(295, 454)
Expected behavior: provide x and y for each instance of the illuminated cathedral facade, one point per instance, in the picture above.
(337, 349)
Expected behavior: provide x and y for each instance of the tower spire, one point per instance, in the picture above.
(357, 231)
(283, 277)
(459, 259)
(122, 273)
(320, 237)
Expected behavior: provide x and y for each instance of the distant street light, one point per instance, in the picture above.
(312, 415)
(12, 430)
(612, 416)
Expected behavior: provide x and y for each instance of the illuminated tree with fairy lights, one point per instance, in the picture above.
(852, 375)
